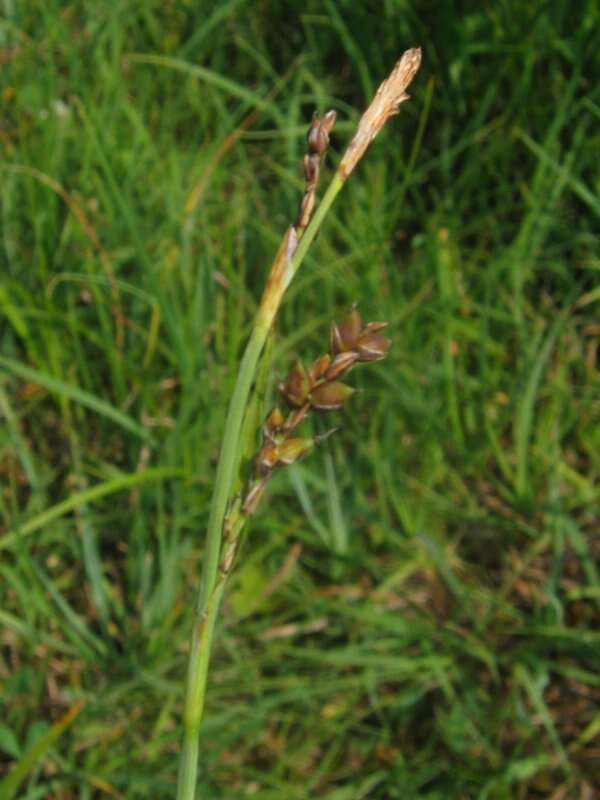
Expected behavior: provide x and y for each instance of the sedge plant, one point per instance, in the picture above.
(318, 389)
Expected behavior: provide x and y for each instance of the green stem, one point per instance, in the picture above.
(211, 592)
(196, 690)
(311, 231)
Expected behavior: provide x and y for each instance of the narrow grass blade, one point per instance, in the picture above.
(577, 186)
(10, 784)
(525, 415)
(208, 76)
(77, 395)
(339, 529)
(296, 479)
(87, 643)
(88, 496)
(19, 443)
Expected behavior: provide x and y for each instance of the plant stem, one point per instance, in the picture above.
(289, 257)
(321, 210)
(196, 688)
(211, 591)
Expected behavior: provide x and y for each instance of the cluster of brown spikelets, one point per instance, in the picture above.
(317, 389)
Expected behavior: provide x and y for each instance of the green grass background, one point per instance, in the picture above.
(416, 610)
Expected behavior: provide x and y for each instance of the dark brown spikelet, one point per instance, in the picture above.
(318, 142)
(351, 336)
(296, 387)
(316, 389)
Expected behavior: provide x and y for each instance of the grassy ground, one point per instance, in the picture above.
(416, 611)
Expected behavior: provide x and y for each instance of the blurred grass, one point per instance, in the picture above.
(453, 651)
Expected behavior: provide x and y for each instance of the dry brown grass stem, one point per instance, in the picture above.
(385, 104)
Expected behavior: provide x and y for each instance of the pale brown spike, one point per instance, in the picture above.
(385, 104)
